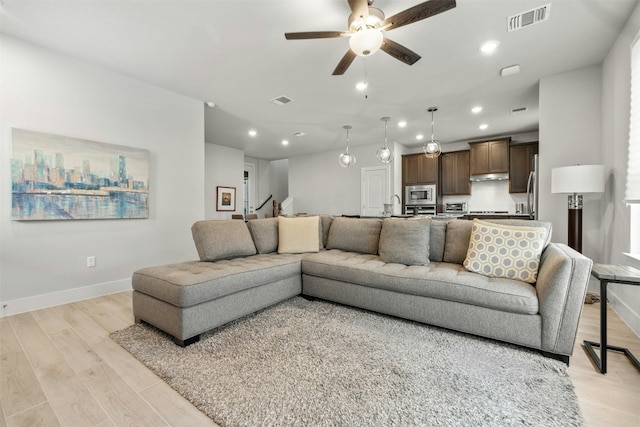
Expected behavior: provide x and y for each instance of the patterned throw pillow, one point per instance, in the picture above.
(512, 252)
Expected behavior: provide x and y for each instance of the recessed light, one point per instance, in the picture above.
(285, 142)
(476, 109)
(402, 124)
(362, 85)
(299, 134)
(483, 126)
(419, 136)
(252, 133)
(489, 47)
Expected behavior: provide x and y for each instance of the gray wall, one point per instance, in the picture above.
(43, 263)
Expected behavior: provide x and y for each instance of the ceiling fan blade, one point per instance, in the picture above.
(359, 7)
(418, 13)
(399, 52)
(344, 63)
(313, 35)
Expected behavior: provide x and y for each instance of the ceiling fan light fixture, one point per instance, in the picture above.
(347, 159)
(366, 42)
(385, 154)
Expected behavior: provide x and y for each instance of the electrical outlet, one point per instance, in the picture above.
(91, 261)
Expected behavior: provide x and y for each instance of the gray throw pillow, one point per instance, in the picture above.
(456, 241)
(355, 235)
(405, 241)
(265, 234)
(222, 239)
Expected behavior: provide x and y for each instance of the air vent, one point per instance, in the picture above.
(519, 110)
(529, 17)
(281, 100)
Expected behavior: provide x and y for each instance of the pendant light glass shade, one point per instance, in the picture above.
(347, 159)
(432, 149)
(385, 154)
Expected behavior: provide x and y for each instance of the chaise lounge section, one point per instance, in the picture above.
(421, 269)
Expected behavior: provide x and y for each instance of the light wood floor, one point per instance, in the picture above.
(58, 366)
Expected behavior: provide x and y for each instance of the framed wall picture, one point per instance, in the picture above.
(226, 199)
(56, 177)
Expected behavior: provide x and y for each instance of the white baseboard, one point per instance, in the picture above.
(626, 313)
(37, 302)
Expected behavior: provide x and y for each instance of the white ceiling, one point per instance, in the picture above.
(233, 53)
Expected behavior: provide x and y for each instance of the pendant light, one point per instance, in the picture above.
(347, 159)
(384, 154)
(432, 149)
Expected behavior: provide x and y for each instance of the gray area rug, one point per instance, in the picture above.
(314, 363)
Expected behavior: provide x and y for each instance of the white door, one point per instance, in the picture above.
(376, 185)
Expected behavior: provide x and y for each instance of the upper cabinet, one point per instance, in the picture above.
(520, 164)
(489, 156)
(454, 168)
(418, 169)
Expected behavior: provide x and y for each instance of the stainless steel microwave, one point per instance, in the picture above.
(420, 195)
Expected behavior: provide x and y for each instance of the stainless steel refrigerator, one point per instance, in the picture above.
(532, 189)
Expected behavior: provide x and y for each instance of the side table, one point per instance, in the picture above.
(610, 274)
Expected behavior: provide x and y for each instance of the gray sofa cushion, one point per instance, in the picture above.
(436, 239)
(445, 281)
(325, 223)
(457, 240)
(355, 234)
(405, 241)
(265, 234)
(222, 239)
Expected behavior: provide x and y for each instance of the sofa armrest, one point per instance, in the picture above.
(563, 277)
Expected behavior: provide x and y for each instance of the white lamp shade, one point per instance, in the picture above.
(578, 179)
(366, 42)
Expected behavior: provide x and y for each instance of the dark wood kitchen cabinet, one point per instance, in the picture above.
(489, 156)
(454, 173)
(417, 169)
(520, 164)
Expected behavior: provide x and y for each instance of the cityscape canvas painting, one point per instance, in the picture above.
(62, 178)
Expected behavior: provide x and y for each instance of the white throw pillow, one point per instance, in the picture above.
(512, 252)
(298, 234)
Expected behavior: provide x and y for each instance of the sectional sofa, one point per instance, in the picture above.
(500, 279)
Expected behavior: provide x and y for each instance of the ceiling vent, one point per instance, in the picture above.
(519, 110)
(529, 17)
(281, 100)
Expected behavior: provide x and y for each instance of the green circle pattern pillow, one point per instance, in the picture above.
(511, 252)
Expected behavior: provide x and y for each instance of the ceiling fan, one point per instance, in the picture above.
(366, 24)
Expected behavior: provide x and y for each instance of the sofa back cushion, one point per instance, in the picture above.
(325, 224)
(355, 234)
(457, 240)
(265, 234)
(437, 238)
(405, 241)
(298, 234)
(508, 251)
(222, 239)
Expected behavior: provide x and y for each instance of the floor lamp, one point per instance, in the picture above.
(574, 180)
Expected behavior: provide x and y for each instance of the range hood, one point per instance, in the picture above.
(503, 176)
